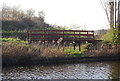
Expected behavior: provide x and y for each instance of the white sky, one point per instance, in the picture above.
(88, 14)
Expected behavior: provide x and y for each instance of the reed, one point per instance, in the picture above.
(18, 53)
(107, 52)
(49, 50)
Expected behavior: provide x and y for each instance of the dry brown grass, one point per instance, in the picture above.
(107, 52)
(19, 53)
(15, 53)
(49, 50)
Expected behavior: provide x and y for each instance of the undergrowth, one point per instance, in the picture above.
(112, 36)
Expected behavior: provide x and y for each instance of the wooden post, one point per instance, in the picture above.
(87, 35)
(79, 35)
(63, 40)
(27, 37)
(44, 37)
(63, 45)
(93, 36)
(47, 43)
(63, 35)
(74, 35)
(79, 47)
(74, 45)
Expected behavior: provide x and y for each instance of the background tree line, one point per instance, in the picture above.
(13, 18)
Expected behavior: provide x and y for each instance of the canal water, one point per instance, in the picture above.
(94, 70)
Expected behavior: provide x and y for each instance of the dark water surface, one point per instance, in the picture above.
(94, 70)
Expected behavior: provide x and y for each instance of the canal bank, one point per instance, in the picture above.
(60, 60)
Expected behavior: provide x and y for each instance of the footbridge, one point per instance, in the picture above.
(76, 36)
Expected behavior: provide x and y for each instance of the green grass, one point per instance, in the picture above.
(73, 52)
(70, 50)
(76, 52)
(15, 41)
(16, 31)
(85, 47)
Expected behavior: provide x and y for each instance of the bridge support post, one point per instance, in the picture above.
(74, 45)
(79, 47)
(63, 45)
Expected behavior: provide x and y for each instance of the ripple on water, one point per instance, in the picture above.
(96, 70)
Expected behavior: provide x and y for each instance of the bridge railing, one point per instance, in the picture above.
(66, 35)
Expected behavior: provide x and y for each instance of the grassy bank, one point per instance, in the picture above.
(19, 52)
(22, 54)
(15, 51)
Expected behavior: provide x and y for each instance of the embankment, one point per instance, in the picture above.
(61, 60)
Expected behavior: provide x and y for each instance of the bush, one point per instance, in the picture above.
(85, 47)
(112, 36)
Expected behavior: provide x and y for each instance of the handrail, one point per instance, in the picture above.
(48, 35)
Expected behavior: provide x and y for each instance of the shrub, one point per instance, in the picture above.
(85, 47)
(112, 36)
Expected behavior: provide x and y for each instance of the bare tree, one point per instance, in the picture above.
(11, 13)
(6, 12)
(15, 12)
(118, 15)
(111, 10)
(30, 13)
(106, 9)
(21, 15)
(41, 16)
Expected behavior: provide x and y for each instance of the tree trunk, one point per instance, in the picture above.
(118, 15)
(111, 4)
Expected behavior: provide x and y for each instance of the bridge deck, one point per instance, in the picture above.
(65, 35)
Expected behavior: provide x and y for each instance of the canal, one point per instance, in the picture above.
(94, 70)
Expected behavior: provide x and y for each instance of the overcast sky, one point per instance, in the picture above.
(88, 14)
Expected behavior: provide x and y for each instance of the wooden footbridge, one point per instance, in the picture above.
(73, 36)
(54, 35)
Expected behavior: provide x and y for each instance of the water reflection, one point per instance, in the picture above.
(96, 70)
(114, 70)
